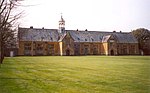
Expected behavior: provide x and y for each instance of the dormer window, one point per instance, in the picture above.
(51, 38)
(100, 38)
(78, 38)
(42, 38)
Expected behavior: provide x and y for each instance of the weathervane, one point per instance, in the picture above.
(61, 14)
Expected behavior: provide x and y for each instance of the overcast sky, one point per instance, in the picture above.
(94, 15)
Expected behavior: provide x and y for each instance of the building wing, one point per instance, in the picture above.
(100, 36)
(33, 34)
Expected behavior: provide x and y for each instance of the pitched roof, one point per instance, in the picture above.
(52, 35)
(86, 36)
(97, 36)
(33, 34)
(62, 37)
(106, 38)
(125, 38)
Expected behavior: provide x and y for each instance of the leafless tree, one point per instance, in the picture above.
(7, 20)
(143, 37)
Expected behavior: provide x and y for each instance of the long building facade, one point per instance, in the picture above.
(60, 42)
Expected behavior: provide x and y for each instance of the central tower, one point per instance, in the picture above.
(61, 29)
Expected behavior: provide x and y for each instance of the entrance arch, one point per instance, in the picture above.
(112, 52)
(67, 52)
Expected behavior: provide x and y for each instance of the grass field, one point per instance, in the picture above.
(75, 74)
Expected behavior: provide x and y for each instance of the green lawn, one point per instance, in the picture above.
(75, 74)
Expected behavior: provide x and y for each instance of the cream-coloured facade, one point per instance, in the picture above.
(50, 42)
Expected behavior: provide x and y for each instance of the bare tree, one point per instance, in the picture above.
(143, 37)
(7, 19)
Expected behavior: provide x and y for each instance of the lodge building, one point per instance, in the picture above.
(52, 42)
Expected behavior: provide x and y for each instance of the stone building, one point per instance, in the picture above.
(34, 41)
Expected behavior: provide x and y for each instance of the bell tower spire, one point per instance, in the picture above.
(61, 29)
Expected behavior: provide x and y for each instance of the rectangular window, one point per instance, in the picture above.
(132, 49)
(77, 49)
(124, 49)
(27, 46)
(39, 49)
(86, 49)
(27, 49)
(95, 49)
(50, 48)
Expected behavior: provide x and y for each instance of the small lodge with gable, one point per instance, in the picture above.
(60, 42)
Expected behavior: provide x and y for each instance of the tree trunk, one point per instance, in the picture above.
(2, 52)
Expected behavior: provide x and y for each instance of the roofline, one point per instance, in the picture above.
(99, 31)
(71, 30)
(35, 41)
(36, 28)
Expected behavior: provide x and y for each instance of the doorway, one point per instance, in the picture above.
(67, 52)
(112, 52)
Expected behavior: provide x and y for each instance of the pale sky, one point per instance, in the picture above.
(94, 15)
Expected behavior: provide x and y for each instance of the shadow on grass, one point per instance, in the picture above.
(34, 79)
(15, 78)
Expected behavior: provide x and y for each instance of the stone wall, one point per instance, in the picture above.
(38, 48)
